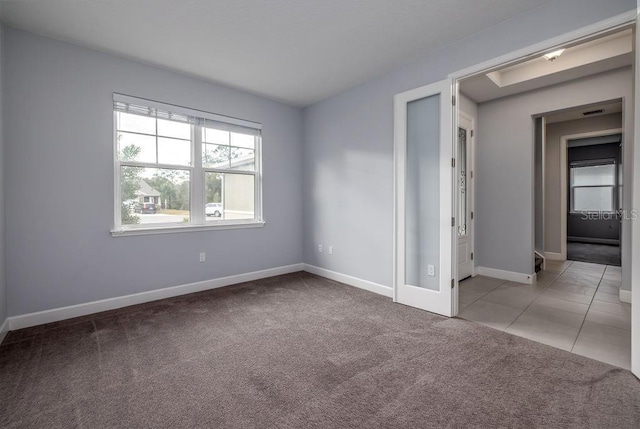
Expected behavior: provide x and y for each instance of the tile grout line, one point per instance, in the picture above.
(588, 308)
(525, 309)
(546, 288)
(478, 299)
(540, 294)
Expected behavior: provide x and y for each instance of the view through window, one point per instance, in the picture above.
(592, 186)
(178, 168)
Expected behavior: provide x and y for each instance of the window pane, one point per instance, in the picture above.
(242, 159)
(243, 140)
(593, 175)
(593, 199)
(215, 156)
(422, 215)
(136, 147)
(229, 196)
(211, 135)
(174, 151)
(135, 123)
(179, 130)
(213, 196)
(462, 181)
(154, 195)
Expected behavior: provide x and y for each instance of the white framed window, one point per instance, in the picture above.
(180, 169)
(592, 186)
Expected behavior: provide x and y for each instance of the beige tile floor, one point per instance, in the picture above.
(573, 306)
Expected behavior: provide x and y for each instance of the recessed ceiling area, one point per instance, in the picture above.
(295, 51)
(605, 53)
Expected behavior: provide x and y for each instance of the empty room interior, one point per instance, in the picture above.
(334, 214)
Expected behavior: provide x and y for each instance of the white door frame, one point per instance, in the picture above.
(563, 178)
(471, 188)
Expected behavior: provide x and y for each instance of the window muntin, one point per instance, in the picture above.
(593, 186)
(175, 169)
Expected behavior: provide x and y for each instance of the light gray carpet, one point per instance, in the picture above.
(298, 351)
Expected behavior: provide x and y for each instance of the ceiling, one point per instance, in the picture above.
(296, 51)
(578, 113)
(605, 53)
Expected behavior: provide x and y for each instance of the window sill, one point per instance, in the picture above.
(126, 232)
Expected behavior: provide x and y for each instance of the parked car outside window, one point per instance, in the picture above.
(213, 209)
(145, 208)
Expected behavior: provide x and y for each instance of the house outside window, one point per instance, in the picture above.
(181, 169)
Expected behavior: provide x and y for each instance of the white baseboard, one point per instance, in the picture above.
(552, 256)
(350, 280)
(56, 314)
(506, 275)
(625, 295)
(4, 330)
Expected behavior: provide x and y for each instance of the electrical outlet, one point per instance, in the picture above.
(320, 248)
(203, 256)
(330, 250)
(431, 270)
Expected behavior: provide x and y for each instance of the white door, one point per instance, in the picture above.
(464, 193)
(424, 233)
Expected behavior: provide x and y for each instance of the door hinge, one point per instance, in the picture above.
(471, 133)
(453, 162)
(453, 100)
(453, 283)
(453, 221)
(472, 256)
(471, 173)
(471, 215)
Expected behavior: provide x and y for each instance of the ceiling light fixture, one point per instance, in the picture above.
(553, 55)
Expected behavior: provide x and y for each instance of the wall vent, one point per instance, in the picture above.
(593, 112)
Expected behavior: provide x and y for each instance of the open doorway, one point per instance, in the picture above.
(523, 282)
(585, 198)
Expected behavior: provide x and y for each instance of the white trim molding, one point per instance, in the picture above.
(57, 314)
(506, 275)
(350, 280)
(4, 330)
(553, 256)
(625, 295)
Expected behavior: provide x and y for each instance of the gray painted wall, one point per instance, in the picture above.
(348, 154)
(59, 205)
(469, 107)
(3, 284)
(505, 164)
(553, 216)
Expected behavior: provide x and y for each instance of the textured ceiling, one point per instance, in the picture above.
(296, 51)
